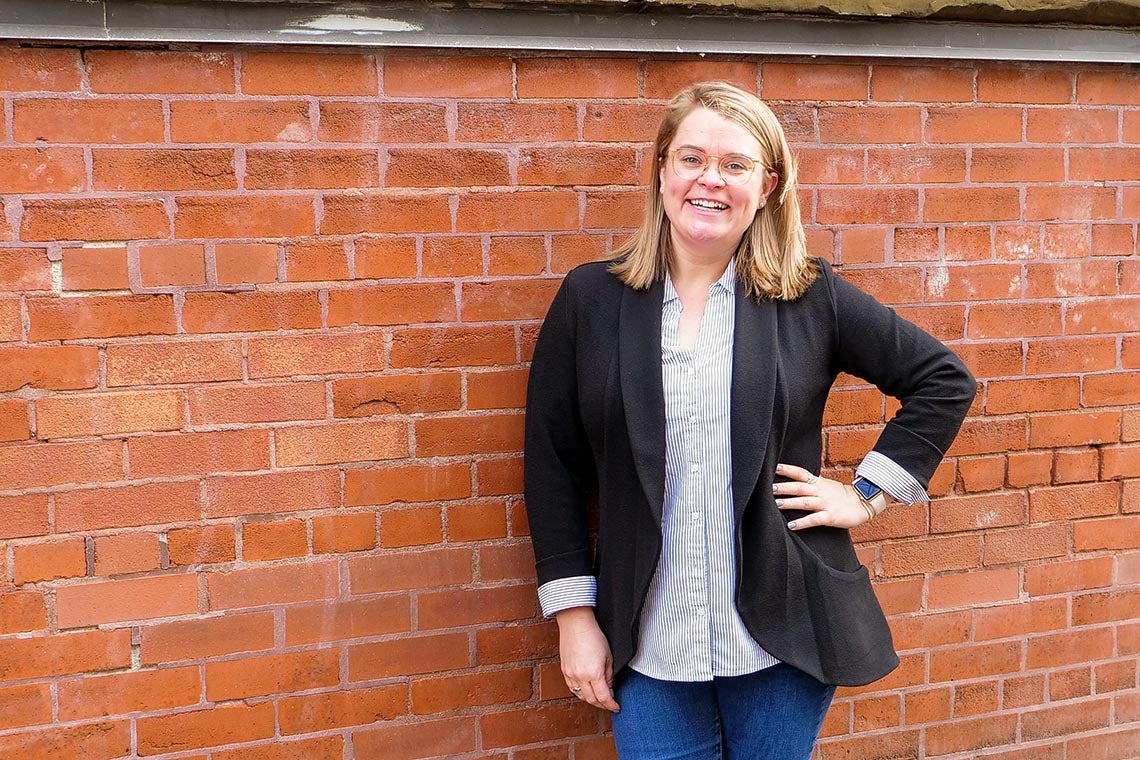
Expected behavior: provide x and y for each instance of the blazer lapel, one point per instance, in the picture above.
(639, 359)
(755, 355)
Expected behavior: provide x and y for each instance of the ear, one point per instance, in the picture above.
(771, 181)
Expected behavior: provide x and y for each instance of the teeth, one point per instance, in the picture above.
(708, 204)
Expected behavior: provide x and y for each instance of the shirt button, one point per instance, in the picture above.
(689, 370)
(692, 418)
(694, 467)
(696, 516)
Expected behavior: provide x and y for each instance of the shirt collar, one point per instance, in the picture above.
(727, 283)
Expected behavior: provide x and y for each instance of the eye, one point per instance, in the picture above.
(691, 159)
(735, 165)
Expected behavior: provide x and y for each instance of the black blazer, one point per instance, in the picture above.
(596, 414)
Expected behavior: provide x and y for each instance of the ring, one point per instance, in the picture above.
(812, 479)
(575, 689)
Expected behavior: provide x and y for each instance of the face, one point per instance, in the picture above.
(708, 216)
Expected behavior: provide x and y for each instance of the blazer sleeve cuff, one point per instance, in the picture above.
(887, 475)
(564, 593)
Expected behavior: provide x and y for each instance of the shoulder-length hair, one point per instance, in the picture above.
(772, 259)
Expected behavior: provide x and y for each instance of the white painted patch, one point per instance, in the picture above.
(359, 24)
(297, 131)
(936, 281)
(986, 518)
(57, 275)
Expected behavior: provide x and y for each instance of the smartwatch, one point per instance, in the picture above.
(868, 491)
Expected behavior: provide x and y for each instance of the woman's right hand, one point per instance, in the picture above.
(587, 664)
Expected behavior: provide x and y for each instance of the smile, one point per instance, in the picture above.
(713, 205)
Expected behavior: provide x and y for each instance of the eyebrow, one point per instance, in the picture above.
(702, 150)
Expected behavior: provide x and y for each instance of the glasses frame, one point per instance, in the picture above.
(728, 179)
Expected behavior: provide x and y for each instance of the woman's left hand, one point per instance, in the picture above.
(829, 501)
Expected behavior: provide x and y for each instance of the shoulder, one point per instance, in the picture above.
(592, 282)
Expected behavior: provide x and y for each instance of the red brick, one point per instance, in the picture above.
(521, 210)
(108, 413)
(1107, 533)
(122, 71)
(285, 491)
(408, 483)
(271, 402)
(295, 169)
(126, 553)
(505, 729)
(277, 539)
(385, 257)
(1019, 619)
(920, 84)
(1120, 462)
(1111, 390)
(121, 600)
(1069, 648)
(1116, 745)
(973, 124)
(100, 317)
(453, 256)
(90, 741)
(39, 465)
(788, 81)
(867, 205)
(339, 709)
(1021, 544)
(49, 367)
(410, 741)
(352, 619)
(975, 587)
(930, 555)
(242, 312)
(613, 209)
(165, 265)
(396, 394)
(213, 726)
(292, 73)
(989, 436)
(203, 637)
(1065, 719)
(453, 347)
(1113, 240)
(1028, 85)
(450, 167)
(271, 674)
(163, 169)
(102, 268)
(121, 693)
(1074, 429)
(975, 661)
(924, 631)
(567, 251)
(94, 219)
(280, 584)
(1072, 125)
(386, 212)
(14, 420)
(322, 748)
(64, 654)
(1030, 468)
(245, 263)
(403, 571)
(446, 693)
(962, 735)
(315, 355)
(22, 611)
(126, 506)
(915, 166)
(415, 526)
(48, 560)
(170, 362)
(576, 166)
(443, 436)
(576, 78)
(869, 124)
(1077, 204)
(1069, 502)
(87, 121)
(835, 166)
(1070, 684)
(336, 534)
(447, 609)
(1078, 466)
(497, 390)
(256, 216)
(43, 170)
(510, 562)
(25, 706)
(199, 453)
(981, 474)
(524, 122)
(971, 204)
(1005, 320)
(476, 522)
(39, 69)
(397, 304)
(1037, 395)
(383, 123)
(606, 122)
(1017, 165)
(404, 657)
(1071, 355)
(664, 79)
(504, 300)
(316, 261)
(201, 545)
(447, 76)
(1100, 164)
(239, 121)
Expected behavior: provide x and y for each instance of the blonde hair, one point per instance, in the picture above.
(772, 259)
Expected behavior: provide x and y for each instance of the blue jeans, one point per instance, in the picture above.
(774, 714)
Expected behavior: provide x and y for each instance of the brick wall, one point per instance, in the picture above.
(264, 326)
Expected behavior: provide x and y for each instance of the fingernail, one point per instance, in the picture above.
(792, 525)
(774, 488)
(779, 468)
(779, 502)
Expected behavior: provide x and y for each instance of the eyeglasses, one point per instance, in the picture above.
(734, 169)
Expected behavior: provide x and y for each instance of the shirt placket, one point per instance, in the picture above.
(696, 565)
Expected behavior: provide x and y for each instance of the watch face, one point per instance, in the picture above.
(866, 488)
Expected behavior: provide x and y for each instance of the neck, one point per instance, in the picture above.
(697, 270)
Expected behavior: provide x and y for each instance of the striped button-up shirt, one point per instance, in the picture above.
(690, 628)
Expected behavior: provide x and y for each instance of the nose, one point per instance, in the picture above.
(711, 175)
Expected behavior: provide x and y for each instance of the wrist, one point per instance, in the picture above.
(873, 498)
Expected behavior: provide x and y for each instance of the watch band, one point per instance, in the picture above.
(874, 498)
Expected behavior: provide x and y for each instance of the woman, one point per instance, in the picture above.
(686, 378)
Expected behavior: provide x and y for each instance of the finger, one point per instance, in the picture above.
(806, 503)
(794, 488)
(795, 473)
(604, 696)
(810, 521)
